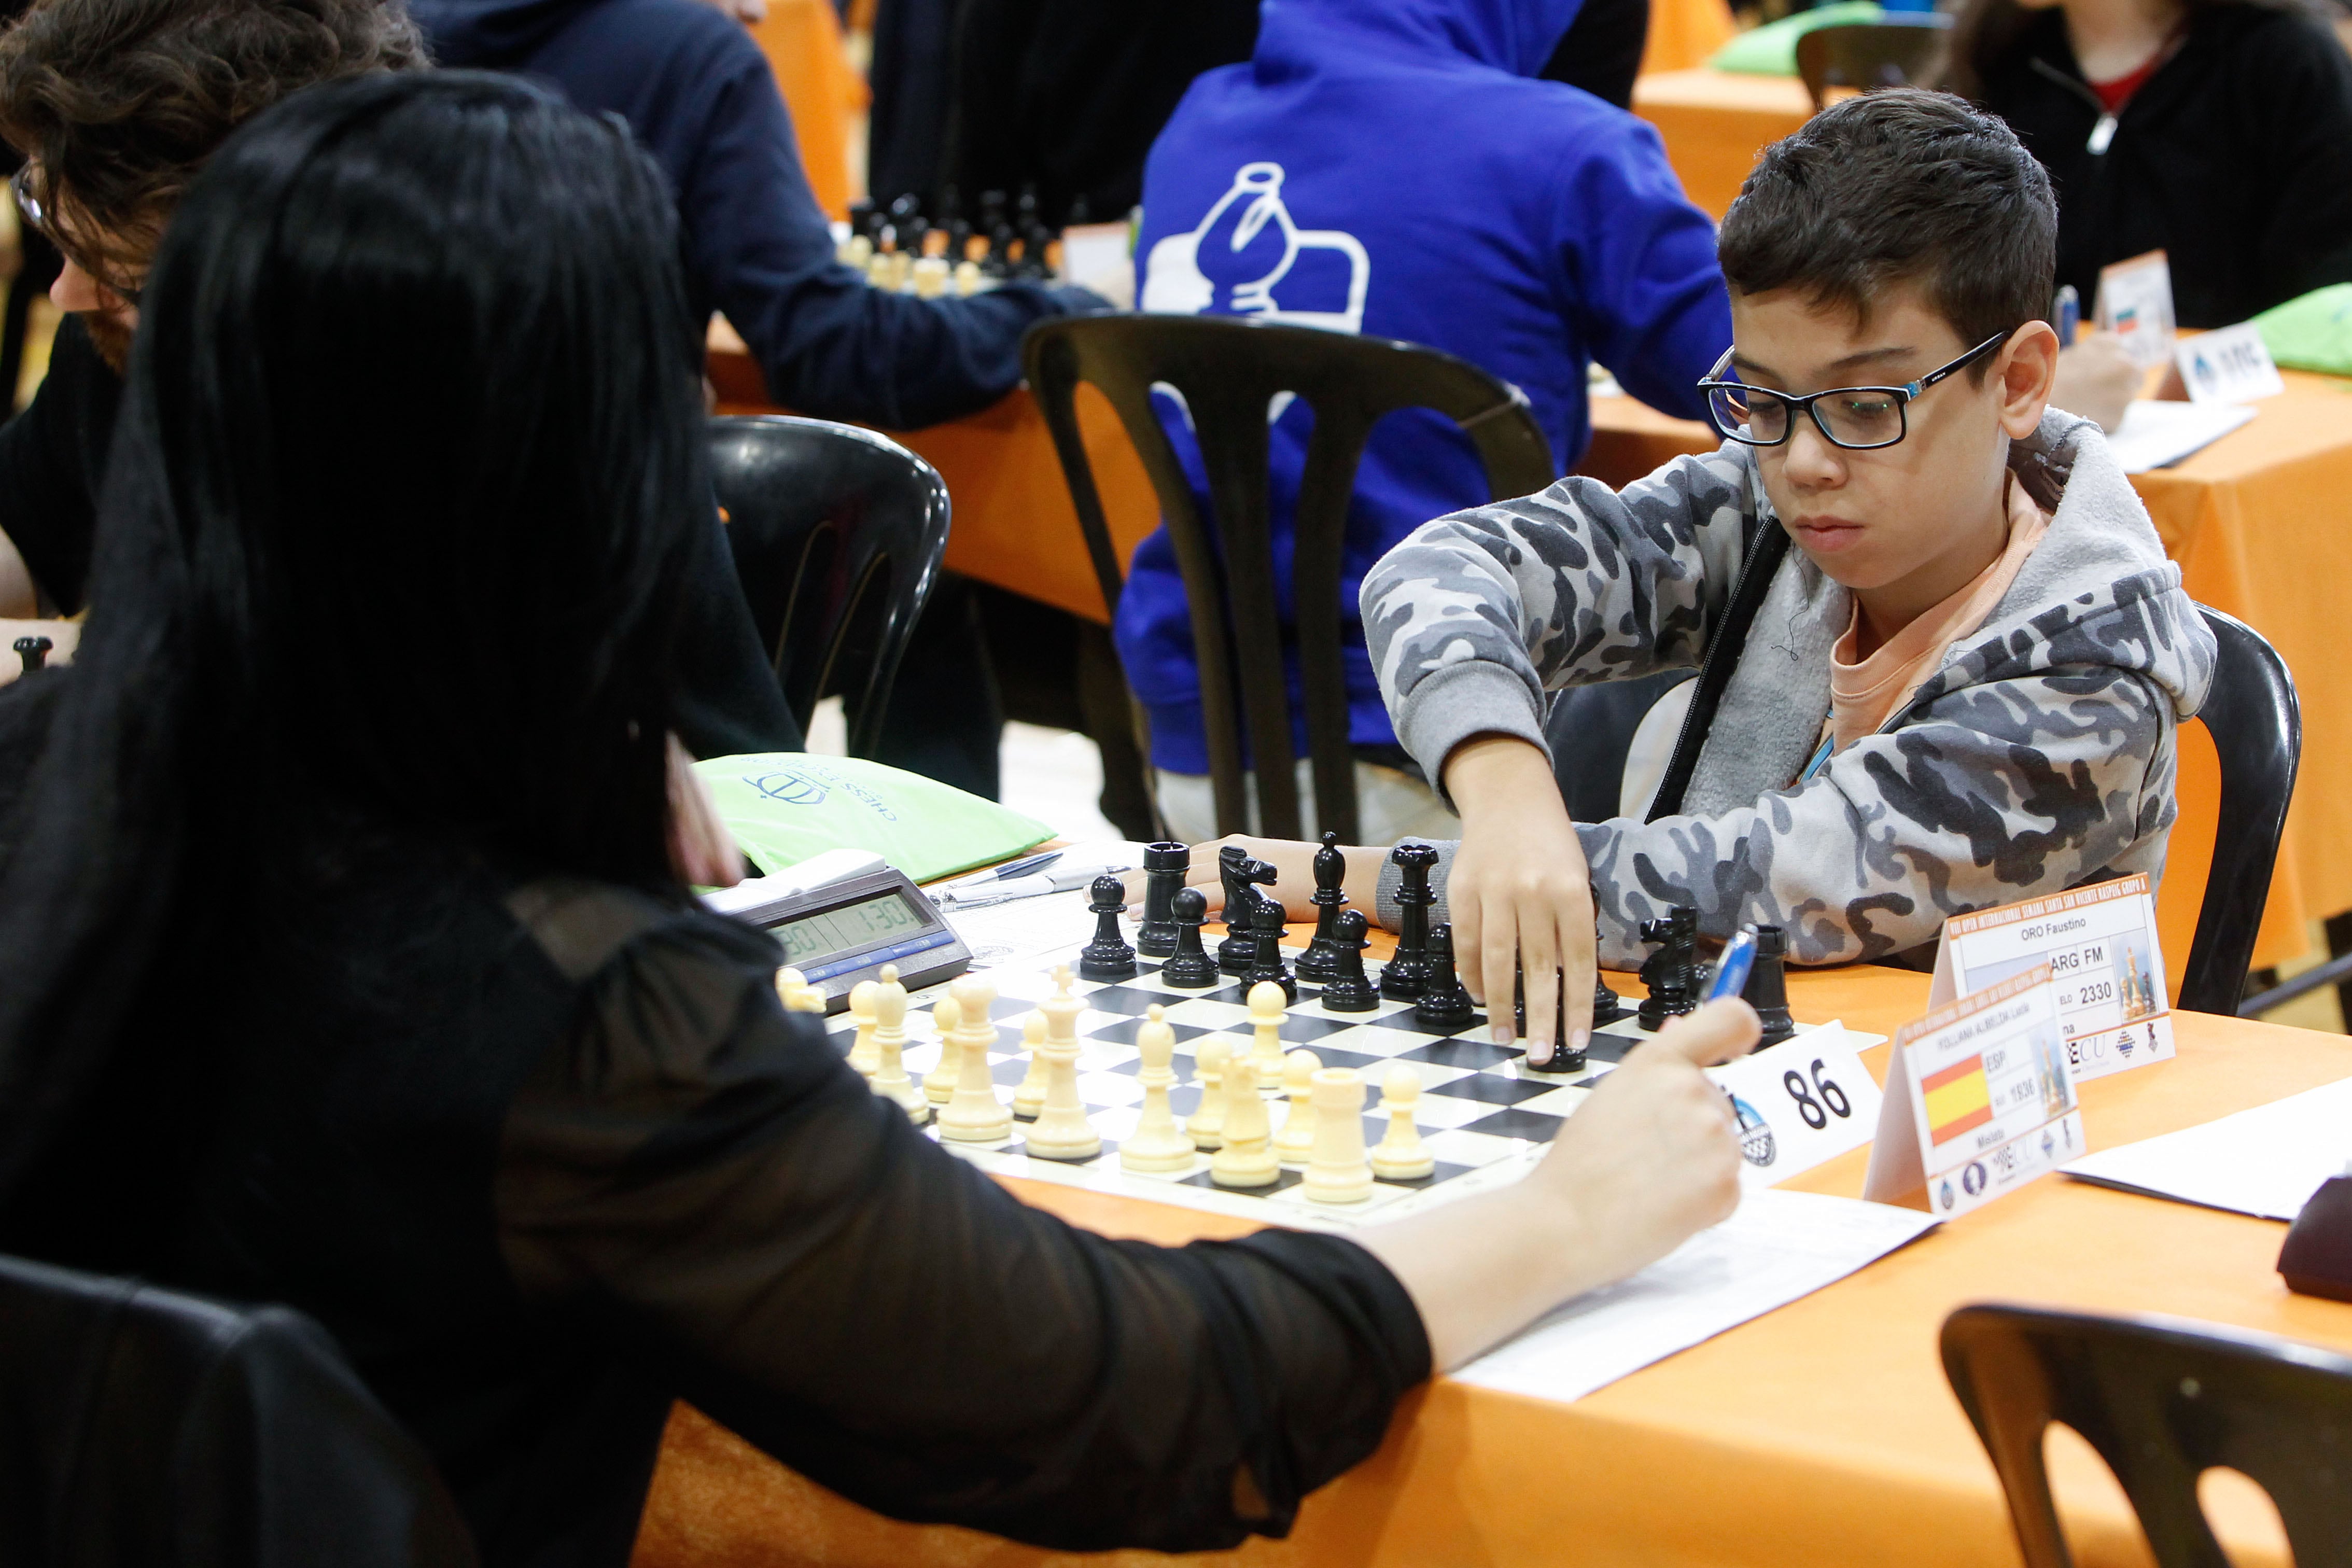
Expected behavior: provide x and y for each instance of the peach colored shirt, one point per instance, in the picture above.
(1864, 694)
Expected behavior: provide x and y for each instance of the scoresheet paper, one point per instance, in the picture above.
(1777, 1247)
(2265, 1161)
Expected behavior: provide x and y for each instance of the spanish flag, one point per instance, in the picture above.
(1957, 1099)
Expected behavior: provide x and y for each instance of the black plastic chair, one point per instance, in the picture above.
(139, 1426)
(2163, 1403)
(2257, 729)
(837, 534)
(1907, 47)
(1228, 371)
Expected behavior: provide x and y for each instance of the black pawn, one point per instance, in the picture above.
(1165, 866)
(1766, 990)
(1406, 976)
(1445, 1006)
(1320, 961)
(1349, 990)
(1606, 1006)
(1266, 962)
(1190, 968)
(1107, 957)
(1671, 973)
(34, 651)
(1562, 1060)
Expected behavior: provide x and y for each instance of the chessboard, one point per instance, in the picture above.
(1483, 1113)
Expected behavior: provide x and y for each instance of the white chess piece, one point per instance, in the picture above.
(1266, 1000)
(862, 1056)
(890, 1079)
(1400, 1155)
(1063, 1131)
(1296, 1145)
(1029, 1099)
(1339, 1173)
(1157, 1144)
(1062, 1009)
(796, 994)
(939, 1083)
(1206, 1123)
(975, 1115)
(1247, 1158)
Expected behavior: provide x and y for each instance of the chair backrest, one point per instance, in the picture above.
(1228, 373)
(139, 1425)
(837, 534)
(2257, 729)
(1904, 48)
(2162, 1401)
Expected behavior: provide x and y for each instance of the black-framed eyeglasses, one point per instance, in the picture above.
(35, 216)
(1858, 418)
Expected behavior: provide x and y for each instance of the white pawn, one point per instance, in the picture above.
(1029, 1099)
(1062, 1010)
(1401, 1156)
(975, 1115)
(1296, 1145)
(1205, 1125)
(796, 994)
(1266, 1000)
(1157, 1144)
(863, 1055)
(890, 1079)
(1339, 1173)
(939, 1083)
(1247, 1158)
(1063, 1131)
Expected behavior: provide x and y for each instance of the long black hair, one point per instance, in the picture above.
(407, 481)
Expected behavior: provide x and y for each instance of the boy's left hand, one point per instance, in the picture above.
(1519, 894)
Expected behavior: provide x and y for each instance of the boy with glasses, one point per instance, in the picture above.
(1941, 653)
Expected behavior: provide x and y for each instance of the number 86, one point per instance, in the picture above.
(1810, 1109)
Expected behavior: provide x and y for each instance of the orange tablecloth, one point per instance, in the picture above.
(1684, 33)
(1715, 122)
(1821, 1434)
(802, 39)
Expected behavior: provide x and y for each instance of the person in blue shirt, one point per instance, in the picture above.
(1397, 168)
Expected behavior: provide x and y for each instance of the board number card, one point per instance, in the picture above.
(2100, 944)
(2136, 304)
(2230, 365)
(1799, 1103)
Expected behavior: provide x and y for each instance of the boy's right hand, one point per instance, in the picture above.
(1518, 893)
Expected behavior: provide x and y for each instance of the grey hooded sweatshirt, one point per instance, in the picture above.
(2039, 757)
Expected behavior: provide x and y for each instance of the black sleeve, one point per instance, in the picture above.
(895, 1325)
(729, 702)
(1602, 51)
(52, 463)
(2302, 80)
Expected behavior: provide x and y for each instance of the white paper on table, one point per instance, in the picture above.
(2265, 1161)
(2156, 435)
(1779, 1247)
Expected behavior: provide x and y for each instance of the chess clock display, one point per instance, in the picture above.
(844, 933)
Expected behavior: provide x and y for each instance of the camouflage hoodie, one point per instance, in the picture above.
(2039, 757)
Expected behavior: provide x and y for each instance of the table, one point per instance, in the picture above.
(802, 39)
(1684, 33)
(1715, 122)
(1821, 1434)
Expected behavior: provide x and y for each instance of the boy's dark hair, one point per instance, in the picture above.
(117, 103)
(1897, 187)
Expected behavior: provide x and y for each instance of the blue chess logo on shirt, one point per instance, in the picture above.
(790, 788)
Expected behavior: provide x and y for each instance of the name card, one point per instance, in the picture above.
(1799, 1103)
(2136, 304)
(2230, 365)
(2100, 944)
(1978, 1100)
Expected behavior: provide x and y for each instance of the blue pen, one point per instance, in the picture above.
(1005, 872)
(1731, 970)
(2070, 315)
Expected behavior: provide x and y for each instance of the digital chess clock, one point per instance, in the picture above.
(845, 931)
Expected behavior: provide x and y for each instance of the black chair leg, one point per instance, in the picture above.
(2339, 943)
(946, 715)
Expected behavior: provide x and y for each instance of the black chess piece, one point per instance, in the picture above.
(1766, 990)
(1406, 976)
(1321, 959)
(1606, 1006)
(1240, 872)
(1562, 1060)
(1349, 990)
(1671, 973)
(1107, 957)
(1190, 968)
(1444, 1007)
(1165, 866)
(1266, 962)
(34, 651)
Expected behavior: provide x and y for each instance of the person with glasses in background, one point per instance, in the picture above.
(1942, 656)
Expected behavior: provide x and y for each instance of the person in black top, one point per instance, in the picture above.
(116, 107)
(2217, 131)
(346, 962)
